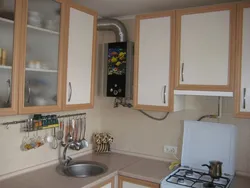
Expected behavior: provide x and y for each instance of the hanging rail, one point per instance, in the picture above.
(23, 121)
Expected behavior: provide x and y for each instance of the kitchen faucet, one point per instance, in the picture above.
(66, 160)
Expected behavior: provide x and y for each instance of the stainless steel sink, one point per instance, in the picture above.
(83, 169)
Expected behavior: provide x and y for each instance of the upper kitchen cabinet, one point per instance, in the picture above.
(242, 81)
(42, 56)
(154, 58)
(10, 23)
(79, 72)
(205, 48)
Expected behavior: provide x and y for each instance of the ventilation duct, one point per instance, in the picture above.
(108, 24)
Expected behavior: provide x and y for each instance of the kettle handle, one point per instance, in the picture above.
(206, 165)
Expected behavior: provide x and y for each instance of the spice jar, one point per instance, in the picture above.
(49, 120)
(45, 121)
(54, 119)
(37, 121)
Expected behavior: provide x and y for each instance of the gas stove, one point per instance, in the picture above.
(204, 142)
(187, 177)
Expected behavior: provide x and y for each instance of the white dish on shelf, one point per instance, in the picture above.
(31, 65)
(35, 23)
(45, 67)
(39, 101)
(33, 27)
(5, 67)
(34, 14)
(51, 25)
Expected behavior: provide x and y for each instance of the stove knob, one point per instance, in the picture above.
(115, 92)
(111, 90)
(115, 85)
(119, 90)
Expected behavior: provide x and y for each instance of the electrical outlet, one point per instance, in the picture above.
(170, 149)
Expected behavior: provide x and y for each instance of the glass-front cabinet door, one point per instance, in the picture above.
(40, 81)
(10, 24)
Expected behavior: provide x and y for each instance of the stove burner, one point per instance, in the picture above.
(197, 179)
(180, 180)
(189, 173)
(209, 185)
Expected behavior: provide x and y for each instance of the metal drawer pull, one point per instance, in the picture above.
(70, 92)
(182, 72)
(164, 94)
(244, 98)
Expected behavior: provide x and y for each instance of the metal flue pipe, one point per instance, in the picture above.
(109, 24)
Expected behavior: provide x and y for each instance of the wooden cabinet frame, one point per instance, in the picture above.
(136, 181)
(19, 62)
(93, 66)
(61, 60)
(237, 91)
(179, 14)
(168, 108)
(111, 180)
(16, 58)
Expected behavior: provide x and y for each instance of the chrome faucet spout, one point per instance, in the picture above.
(65, 151)
(66, 160)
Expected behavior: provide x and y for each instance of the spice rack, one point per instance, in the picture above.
(25, 129)
(40, 122)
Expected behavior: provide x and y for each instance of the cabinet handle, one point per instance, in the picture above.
(164, 94)
(8, 100)
(182, 72)
(29, 91)
(244, 98)
(70, 92)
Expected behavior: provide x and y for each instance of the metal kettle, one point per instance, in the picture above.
(215, 169)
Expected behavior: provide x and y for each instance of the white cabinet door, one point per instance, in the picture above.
(205, 49)
(126, 182)
(245, 68)
(81, 56)
(109, 185)
(132, 185)
(153, 82)
(242, 83)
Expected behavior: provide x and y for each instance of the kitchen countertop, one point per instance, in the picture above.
(240, 182)
(126, 165)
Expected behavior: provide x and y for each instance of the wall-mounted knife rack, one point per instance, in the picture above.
(26, 120)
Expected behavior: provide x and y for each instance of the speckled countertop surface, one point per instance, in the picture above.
(136, 167)
(240, 182)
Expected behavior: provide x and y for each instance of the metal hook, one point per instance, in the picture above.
(7, 126)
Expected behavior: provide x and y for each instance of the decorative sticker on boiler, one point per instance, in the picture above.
(117, 58)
